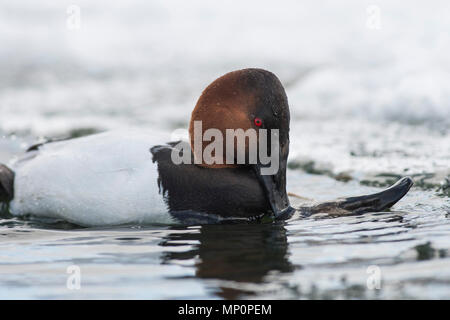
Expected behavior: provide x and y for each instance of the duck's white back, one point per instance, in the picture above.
(103, 179)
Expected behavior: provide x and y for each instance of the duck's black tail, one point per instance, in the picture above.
(6, 184)
(369, 203)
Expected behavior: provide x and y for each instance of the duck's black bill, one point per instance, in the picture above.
(378, 201)
(275, 189)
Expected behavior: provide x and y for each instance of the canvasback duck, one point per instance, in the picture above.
(130, 177)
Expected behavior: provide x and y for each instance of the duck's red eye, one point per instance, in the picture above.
(258, 122)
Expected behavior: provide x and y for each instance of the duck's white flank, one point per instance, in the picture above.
(103, 179)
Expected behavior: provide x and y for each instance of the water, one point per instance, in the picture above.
(367, 106)
(317, 257)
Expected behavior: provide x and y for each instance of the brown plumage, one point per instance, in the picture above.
(232, 101)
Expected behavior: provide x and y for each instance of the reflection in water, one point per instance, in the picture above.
(231, 261)
(239, 253)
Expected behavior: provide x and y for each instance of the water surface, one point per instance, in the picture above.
(316, 257)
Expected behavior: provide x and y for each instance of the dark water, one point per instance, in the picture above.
(312, 258)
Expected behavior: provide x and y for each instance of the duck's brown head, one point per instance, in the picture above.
(246, 99)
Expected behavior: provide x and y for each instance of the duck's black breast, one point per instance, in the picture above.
(224, 192)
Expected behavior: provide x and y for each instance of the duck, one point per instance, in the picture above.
(124, 177)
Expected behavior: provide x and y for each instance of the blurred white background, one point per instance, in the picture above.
(370, 79)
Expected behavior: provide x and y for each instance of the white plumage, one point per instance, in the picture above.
(103, 179)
